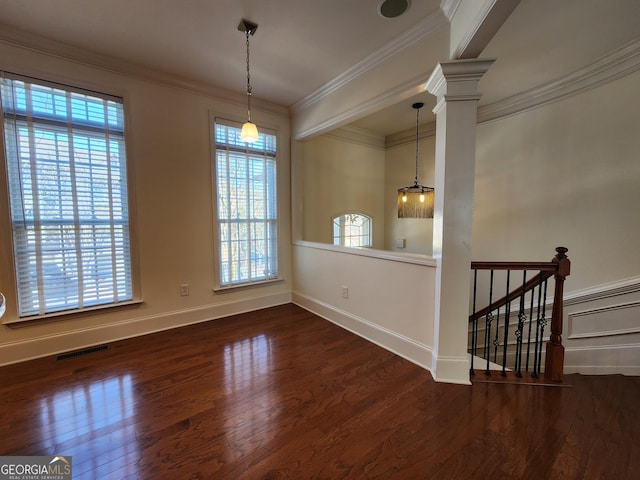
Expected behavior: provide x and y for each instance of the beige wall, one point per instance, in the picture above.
(400, 172)
(340, 176)
(567, 174)
(169, 149)
(564, 174)
(390, 296)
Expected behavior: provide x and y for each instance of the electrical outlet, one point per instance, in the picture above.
(345, 291)
(184, 290)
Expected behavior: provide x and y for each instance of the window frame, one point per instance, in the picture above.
(218, 285)
(9, 254)
(342, 238)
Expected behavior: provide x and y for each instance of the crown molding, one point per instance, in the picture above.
(610, 67)
(406, 136)
(360, 136)
(390, 97)
(38, 44)
(421, 30)
(449, 8)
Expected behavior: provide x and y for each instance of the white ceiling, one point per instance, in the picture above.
(302, 44)
(299, 44)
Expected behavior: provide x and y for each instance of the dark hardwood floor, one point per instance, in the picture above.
(283, 394)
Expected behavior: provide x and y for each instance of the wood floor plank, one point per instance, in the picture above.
(284, 394)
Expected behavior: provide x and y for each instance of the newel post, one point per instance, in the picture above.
(554, 361)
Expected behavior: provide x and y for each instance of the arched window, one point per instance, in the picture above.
(352, 230)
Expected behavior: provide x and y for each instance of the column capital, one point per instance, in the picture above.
(458, 78)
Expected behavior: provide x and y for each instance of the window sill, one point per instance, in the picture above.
(58, 316)
(262, 283)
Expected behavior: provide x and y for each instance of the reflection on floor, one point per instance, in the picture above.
(284, 394)
(99, 415)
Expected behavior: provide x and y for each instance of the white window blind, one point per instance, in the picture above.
(352, 230)
(246, 206)
(66, 167)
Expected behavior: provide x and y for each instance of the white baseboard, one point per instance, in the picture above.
(603, 360)
(44, 346)
(451, 369)
(405, 347)
(630, 370)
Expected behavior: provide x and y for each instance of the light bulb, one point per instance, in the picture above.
(422, 198)
(404, 197)
(249, 132)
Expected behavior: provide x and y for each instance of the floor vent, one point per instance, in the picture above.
(80, 353)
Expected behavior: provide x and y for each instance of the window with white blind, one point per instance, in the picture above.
(246, 206)
(352, 230)
(66, 169)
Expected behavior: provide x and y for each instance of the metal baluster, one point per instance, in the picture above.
(474, 330)
(521, 319)
(487, 334)
(533, 292)
(506, 329)
(542, 323)
(496, 341)
(536, 362)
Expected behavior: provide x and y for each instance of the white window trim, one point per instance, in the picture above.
(12, 316)
(217, 286)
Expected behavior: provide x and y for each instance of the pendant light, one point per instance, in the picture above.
(249, 132)
(415, 201)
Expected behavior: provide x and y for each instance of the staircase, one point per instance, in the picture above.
(511, 331)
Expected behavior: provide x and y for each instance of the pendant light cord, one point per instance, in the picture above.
(417, 133)
(248, 80)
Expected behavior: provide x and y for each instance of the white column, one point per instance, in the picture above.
(455, 84)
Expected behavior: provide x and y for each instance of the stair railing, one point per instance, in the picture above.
(518, 319)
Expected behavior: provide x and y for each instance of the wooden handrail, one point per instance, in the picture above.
(534, 282)
(541, 266)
